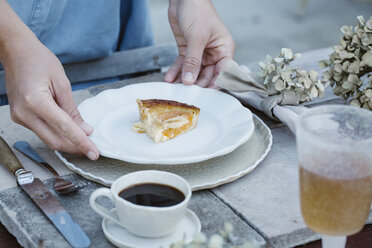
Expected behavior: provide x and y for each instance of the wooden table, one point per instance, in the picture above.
(262, 205)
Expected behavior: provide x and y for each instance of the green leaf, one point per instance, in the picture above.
(302, 73)
(307, 83)
(361, 20)
(367, 58)
(352, 78)
(262, 65)
(279, 85)
(323, 64)
(275, 78)
(347, 85)
(327, 75)
(339, 48)
(278, 60)
(366, 106)
(337, 77)
(303, 97)
(287, 53)
(355, 103)
(338, 68)
(320, 86)
(368, 93)
(369, 23)
(370, 105)
(313, 75)
(313, 92)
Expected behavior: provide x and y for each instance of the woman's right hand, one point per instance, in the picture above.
(40, 98)
(39, 92)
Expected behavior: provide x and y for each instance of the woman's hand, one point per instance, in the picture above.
(204, 43)
(40, 98)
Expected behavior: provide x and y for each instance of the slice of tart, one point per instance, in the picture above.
(164, 119)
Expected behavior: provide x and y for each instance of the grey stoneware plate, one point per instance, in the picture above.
(202, 175)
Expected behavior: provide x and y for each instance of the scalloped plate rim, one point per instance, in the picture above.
(195, 187)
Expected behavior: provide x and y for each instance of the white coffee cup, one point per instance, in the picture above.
(146, 221)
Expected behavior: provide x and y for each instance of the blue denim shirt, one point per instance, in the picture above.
(78, 30)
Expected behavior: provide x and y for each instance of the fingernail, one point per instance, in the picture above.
(91, 155)
(188, 77)
(86, 128)
(167, 79)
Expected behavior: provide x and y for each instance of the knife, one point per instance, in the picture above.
(43, 198)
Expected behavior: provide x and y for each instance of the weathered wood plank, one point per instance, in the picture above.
(118, 64)
(123, 63)
(155, 77)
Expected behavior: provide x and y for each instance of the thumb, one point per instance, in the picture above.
(192, 62)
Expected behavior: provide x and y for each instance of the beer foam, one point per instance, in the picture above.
(337, 165)
(339, 127)
(336, 128)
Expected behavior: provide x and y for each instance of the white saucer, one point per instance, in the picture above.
(188, 227)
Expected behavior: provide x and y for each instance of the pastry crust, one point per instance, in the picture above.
(165, 119)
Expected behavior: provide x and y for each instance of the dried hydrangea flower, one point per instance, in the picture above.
(363, 99)
(251, 244)
(278, 75)
(200, 238)
(215, 241)
(350, 62)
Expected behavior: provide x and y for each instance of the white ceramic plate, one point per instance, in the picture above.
(224, 124)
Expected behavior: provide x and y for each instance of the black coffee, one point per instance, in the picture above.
(152, 194)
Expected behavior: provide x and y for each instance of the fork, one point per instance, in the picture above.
(61, 186)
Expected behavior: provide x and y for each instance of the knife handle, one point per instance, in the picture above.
(8, 158)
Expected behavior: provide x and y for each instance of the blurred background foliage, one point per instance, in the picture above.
(262, 27)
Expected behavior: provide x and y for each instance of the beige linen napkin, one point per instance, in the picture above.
(248, 87)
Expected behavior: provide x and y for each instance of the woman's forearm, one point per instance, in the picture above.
(13, 32)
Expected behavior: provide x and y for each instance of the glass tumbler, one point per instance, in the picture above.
(334, 147)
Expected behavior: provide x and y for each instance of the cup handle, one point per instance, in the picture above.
(101, 210)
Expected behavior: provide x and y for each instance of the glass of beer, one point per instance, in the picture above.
(334, 146)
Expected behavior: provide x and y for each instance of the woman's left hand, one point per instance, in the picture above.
(204, 43)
